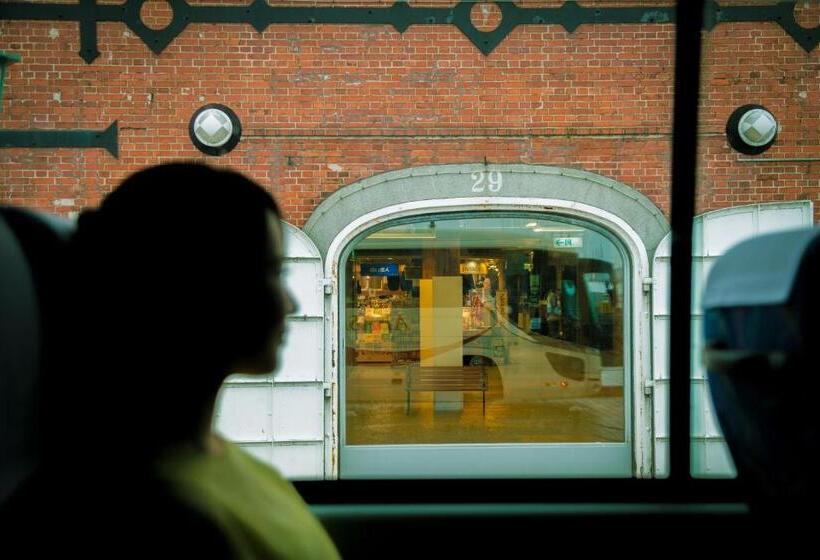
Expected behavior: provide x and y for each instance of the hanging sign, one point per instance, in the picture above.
(379, 269)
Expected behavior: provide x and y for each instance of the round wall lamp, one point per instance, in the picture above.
(751, 129)
(215, 129)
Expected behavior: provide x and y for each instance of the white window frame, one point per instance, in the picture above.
(639, 321)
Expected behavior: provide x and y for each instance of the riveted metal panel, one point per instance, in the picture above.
(304, 280)
(303, 461)
(712, 458)
(777, 217)
(705, 424)
(713, 234)
(244, 412)
(698, 369)
(302, 357)
(298, 412)
(660, 348)
(297, 244)
(280, 418)
(261, 450)
(721, 231)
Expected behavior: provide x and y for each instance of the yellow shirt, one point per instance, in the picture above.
(260, 513)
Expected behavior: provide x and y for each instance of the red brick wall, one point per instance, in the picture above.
(323, 106)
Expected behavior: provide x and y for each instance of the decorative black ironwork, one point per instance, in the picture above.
(5, 60)
(37, 138)
(400, 15)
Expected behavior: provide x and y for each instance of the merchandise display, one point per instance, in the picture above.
(453, 339)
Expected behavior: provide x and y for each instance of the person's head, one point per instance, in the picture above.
(180, 273)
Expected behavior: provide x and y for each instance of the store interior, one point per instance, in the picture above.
(540, 324)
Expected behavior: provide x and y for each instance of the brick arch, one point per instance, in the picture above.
(438, 182)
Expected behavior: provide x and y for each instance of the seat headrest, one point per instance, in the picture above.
(759, 271)
(31, 249)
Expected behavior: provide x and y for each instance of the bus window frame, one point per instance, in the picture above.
(680, 486)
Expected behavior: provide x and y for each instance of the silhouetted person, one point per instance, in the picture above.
(178, 284)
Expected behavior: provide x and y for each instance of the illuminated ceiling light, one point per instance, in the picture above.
(558, 230)
(531, 224)
(215, 129)
(751, 129)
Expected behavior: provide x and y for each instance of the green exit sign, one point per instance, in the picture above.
(567, 242)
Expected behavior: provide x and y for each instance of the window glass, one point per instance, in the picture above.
(757, 174)
(485, 329)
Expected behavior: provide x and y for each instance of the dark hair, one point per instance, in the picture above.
(171, 286)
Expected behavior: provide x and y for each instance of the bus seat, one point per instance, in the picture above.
(31, 249)
(761, 313)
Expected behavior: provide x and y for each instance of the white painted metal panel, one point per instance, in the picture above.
(299, 462)
(725, 228)
(778, 217)
(661, 450)
(244, 412)
(297, 244)
(262, 412)
(298, 413)
(241, 378)
(302, 358)
(261, 450)
(712, 459)
(661, 403)
(304, 280)
(660, 276)
(295, 462)
(700, 271)
(697, 343)
(660, 347)
(713, 234)
(706, 424)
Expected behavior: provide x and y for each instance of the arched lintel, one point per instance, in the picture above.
(482, 181)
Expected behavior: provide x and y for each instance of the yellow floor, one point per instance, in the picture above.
(376, 414)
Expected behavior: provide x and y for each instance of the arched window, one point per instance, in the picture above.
(484, 344)
(488, 321)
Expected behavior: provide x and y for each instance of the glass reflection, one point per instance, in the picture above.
(484, 330)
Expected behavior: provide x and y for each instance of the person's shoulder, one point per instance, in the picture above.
(246, 461)
(101, 516)
(272, 515)
(172, 527)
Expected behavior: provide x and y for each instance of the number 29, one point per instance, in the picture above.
(491, 181)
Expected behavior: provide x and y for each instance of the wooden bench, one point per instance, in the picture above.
(446, 378)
